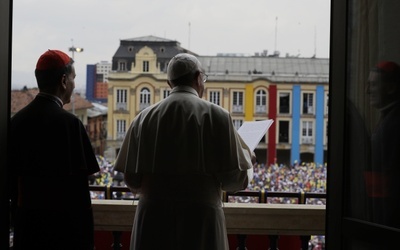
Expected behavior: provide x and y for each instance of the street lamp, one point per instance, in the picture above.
(74, 49)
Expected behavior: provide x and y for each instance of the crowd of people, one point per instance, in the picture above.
(298, 178)
(305, 177)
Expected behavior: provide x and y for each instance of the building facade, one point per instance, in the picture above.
(97, 127)
(96, 81)
(292, 91)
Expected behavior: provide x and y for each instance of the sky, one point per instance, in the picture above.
(206, 27)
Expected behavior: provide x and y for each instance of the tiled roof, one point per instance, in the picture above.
(97, 110)
(274, 68)
(21, 98)
(80, 103)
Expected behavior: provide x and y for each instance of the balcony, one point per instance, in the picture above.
(274, 221)
(121, 105)
(261, 109)
(307, 140)
(237, 108)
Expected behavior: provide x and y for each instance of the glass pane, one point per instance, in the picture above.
(373, 112)
(284, 103)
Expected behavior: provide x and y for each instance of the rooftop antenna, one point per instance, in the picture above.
(315, 41)
(298, 50)
(189, 37)
(276, 31)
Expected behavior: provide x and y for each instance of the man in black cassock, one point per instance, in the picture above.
(382, 181)
(50, 160)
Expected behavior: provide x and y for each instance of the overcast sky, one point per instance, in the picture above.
(207, 27)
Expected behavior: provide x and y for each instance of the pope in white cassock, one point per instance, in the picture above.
(180, 154)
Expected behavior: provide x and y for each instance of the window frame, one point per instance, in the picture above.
(260, 101)
(303, 102)
(121, 99)
(237, 101)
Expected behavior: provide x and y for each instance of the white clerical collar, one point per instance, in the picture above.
(184, 88)
(383, 109)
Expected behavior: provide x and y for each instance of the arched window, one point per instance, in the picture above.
(261, 101)
(144, 98)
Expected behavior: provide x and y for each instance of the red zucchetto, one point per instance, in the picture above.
(52, 59)
(388, 66)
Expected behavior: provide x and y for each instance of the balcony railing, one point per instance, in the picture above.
(242, 219)
(121, 106)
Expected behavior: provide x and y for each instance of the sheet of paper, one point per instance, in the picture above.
(252, 132)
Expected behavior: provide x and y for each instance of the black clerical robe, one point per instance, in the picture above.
(50, 160)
